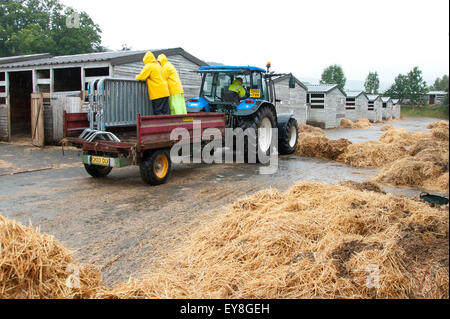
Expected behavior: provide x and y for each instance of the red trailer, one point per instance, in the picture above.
(147, 144)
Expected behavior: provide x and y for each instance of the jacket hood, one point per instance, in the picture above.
(149, 58)
(162, 59)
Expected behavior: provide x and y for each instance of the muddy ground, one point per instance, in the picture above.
(125, 226)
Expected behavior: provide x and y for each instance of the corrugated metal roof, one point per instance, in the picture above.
(115, 57)
(354, 94)
(78, 58)
(385, 99)
(372, 97)
(324, 88)
(287, 76)
(437, 93)
(321, 88)
(21, 58)
(395, 101)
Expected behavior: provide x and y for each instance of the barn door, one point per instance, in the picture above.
(37, 120)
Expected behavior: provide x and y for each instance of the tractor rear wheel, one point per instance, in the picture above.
(289, 137)
(262, 122)
(155, 167)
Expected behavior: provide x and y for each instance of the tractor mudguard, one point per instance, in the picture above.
(246, 109)
(283, 120)
(198, 104)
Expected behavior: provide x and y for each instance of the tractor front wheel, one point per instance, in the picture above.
(289, 137)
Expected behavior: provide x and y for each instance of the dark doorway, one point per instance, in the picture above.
(432, 100)
(20, 89)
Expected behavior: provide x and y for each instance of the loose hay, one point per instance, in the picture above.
(387, 128)
(363, 123)
(372, 154)
(440, 124)
(346, 123)
(360, 124)
(411, 171)
(311, 145)
(35, 265)
(303, 128)
(440, 133)
(298, 245)
(398, 136)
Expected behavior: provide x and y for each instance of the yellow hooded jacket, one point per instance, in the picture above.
(171, 76)
(152, 73)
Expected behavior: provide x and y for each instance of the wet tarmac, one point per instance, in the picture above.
(125, 226)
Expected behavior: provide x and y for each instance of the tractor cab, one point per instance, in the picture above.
(254, 107)
(215, 95)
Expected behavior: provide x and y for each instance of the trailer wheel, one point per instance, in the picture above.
(97, 171)
(155, 168)
(288, 142)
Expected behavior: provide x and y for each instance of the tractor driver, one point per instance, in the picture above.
(238, 87)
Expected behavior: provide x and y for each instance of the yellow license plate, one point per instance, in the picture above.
(255, 94)
(102, 161)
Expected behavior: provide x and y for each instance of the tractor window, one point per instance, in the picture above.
(208, 85)
(223, 83)
(259, 84)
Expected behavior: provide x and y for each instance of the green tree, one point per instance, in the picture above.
(334, 75)
(410, 87)
(45, 26)
(372, 84)
(441, 84)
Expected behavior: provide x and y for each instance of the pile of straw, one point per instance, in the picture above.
(360, 124)
(387, 128)
(354, 244)
(303, 128)
(312, 145)
(397, 136)
(35, 265)
(426, 165)
(372, 154)
(440, 124)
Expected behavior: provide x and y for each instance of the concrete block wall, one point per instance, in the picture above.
(360, 111)
(333, 112)
(292, 100)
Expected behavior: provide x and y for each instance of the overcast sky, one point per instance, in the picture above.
(303, 37)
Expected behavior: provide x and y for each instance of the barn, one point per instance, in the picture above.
(356, 105)
(326, 105)
(436, 97)
(57, 76)
(291, 100)
(386, 107)
(374, 109)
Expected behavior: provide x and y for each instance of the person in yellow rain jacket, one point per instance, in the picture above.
(176, 99)
(238, 87)
(158, 90)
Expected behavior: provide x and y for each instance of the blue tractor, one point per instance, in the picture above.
(254, 110)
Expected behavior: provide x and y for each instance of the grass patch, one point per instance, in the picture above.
(435, 111)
